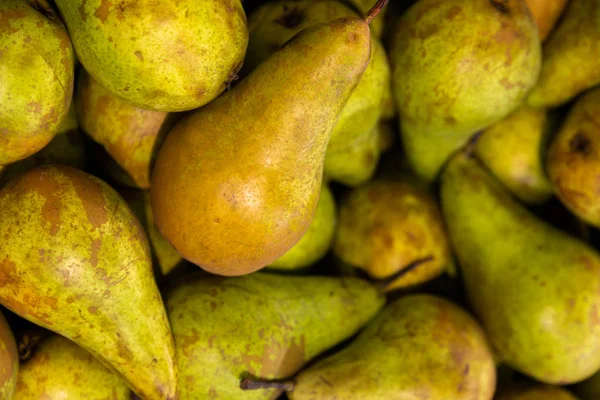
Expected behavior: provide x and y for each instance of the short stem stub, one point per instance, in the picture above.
(373, 12)
(256, 384)
(385, 283)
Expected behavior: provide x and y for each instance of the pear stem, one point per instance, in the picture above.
(373, 12)
(383, 284)
(255, 384)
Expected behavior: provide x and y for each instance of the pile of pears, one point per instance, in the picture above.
(300, 199)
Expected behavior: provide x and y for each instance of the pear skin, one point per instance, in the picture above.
(260, 325)
(512, 149)
(168, 258)
(317, 240)
(37, 77)
(377, 24)
(9, 361)
(573, 161)
(535, 288)
(571, 56)
(59, 369)
(537, 392)
(75, 260)
(458, 67)
(546, 14)
(418, 347)
(387, 226)
(232, 195)
(163, 56)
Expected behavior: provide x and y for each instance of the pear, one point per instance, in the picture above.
(37, 77)
(59, 369)
(129, 134)
(378, 22)
(535, 289)
(546, 14)
(419, 347)
(232, 195)
(318, 238)
(165, 56)
(9, 361)
(512, 149)
(536, 392)
(74, 260)
(571, 56)
(573, 161)
(588, 389)
(260, 325)
(390, 228)
(457, 67)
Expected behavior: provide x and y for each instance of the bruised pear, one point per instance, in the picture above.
(9, 361)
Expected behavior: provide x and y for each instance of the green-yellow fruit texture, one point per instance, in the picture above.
(9, 361)
(535, 289)
(59, 369)
(537, 392)
(74, 259)
(37, 78)
(260, 325)
(377, 24)
(166, 55)
(318, 238)
(457, 67)
(419, 347)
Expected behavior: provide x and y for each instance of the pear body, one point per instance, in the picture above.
(234, 194)
(9, 361)
(37, 78)
(535, 289)
(546, 14)
(573, 161)
(403, 355)
(457, 67)
(512, 149)
(377, 25)
(571, 56)
(538, 392)
(165, 56)
(59, 369)
(75, 260)
(262, 325)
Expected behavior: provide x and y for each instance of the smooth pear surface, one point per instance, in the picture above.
(573, 161)
(9, 361)
(59, 369)
(232, 195)
(457, 67)
(74, 259)
(546, 14)
(538, 392)
(37, 78)
(260, 325)
(165, 56)
(535, 288)
(419, 347)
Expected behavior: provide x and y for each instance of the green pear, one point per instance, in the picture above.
(571, 56)
(589, 389)
(317, 240)
(389, 228)
(364, 6)
(573, 162)
(74, 260)
(535, 289)
(9, 361)
(536, 392)
(164, 56)
(129, 134)
(457, 67)
(232, 195)
(37, 77)
(512, 149)
(261, 325)
(59, 369)
(419, 347)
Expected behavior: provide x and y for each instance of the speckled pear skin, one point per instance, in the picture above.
(168, 258)
(128, 133)
(385, 226)
(571, 56)
(9, 361)
(220, 340)
(573, 161)
(457, 67)
(74, 260)
(232, 195)
(588, 389)
(535, 289)
(512, 149)
(418, 347)
(317, 240)
(36, 75)
(165, 56)
(537, 392)
(546, 14)
(59, 369)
